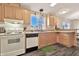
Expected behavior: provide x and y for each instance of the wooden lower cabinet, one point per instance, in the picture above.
(67, 39)
(73, 40)
(19, 12)
(52, 37)
(42, 40)
(46, 39)
(64, 39)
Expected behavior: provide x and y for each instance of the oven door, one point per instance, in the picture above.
(12, 45)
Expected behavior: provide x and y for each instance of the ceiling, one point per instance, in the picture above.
(73, 10)
(37, 6)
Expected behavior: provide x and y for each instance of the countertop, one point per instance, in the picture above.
(44, 31)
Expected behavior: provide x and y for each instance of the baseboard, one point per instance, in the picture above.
(31, 49)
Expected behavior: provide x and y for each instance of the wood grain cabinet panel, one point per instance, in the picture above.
(42, 40)
(51, 20)
(26, 16)
(51, 38)
(14, 4)
(46, 39)
(73, 40)
(67, 39)
(64, 39)
(19, 13)
(10, 12)
(1, 13)
(14, 12)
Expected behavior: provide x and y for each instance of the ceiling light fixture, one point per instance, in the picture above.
(64, 11)
(52, 4)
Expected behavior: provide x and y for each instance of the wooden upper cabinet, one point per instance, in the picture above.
(51, 20)
(1, 13)
(19, 13)
(14, 4)
(13, 12)
(9, 12)
(26, 16)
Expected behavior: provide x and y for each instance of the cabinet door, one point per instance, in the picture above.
(19, 13)
(72, 39)
(42, 40)
(0, 13)
(64, 39)
(26, 16)
(51, 38)
(9, 12)
(14, 4)
(51, 20)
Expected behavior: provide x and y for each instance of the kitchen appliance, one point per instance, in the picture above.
(13, 40)
(77, 34)
(2, 29)
(12, 44)
(31, 42)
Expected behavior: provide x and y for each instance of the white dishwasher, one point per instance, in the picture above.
(31, 42)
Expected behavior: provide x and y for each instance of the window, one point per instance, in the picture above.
(34, 21)
(65, 25)
(38, 22)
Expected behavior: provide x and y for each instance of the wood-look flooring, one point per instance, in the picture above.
(62, 51)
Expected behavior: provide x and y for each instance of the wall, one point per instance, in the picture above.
(75, 24)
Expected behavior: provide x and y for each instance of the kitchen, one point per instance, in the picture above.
(26, 27)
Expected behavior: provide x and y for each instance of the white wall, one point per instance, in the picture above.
(75, 24)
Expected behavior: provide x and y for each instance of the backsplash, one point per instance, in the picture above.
(13, 26)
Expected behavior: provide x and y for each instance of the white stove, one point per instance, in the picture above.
(12, 42)
(12, 45)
